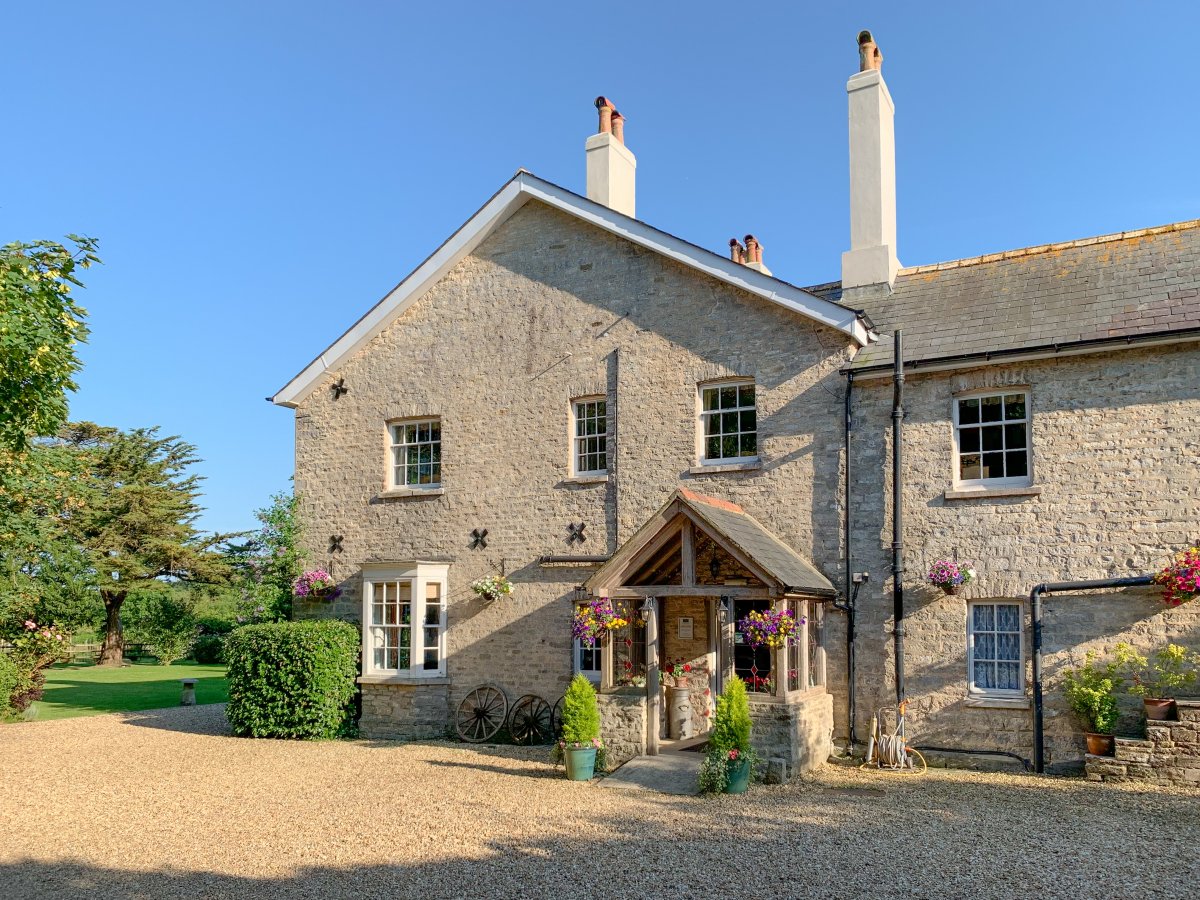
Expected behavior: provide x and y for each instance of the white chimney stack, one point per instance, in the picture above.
(610, 166)
(871, 258)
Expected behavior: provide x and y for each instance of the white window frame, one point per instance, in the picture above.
(972, 689)
(419, 575)
(592, 675)
(575, 438)
(702, 417)
(982, 483)
(392, 445)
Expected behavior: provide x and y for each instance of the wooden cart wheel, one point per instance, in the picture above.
(531, 721)
(481, 714)
(556, 718)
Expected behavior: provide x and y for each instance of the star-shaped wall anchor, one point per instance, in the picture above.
(335, 543)
(339, 388)
(478, 538)
(576, 532)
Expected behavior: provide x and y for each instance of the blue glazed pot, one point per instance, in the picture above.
(581, 764)
(738, 779)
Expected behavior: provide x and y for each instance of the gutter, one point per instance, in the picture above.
(1022, 354)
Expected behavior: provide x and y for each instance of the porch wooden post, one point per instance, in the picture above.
(653, 691)
(819, 612)
(802, 675)
(607, 662)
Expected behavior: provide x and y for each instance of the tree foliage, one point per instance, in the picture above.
(265, 567)
(40, 328)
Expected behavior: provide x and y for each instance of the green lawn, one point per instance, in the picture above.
(86, 690)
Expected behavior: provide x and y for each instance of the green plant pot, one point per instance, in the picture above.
(581, 763)
(738, 778)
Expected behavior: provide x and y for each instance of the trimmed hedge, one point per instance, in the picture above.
(292, 679)
(10, 677)
(208, 648)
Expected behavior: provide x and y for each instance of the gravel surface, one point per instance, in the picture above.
(165, 804)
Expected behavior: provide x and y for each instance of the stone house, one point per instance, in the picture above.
(567, 396)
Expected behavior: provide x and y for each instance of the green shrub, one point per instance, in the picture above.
(1091, 692)
(292, 679)
(10, 676)
(209, 648)
(163, 620)
(729, 743)
(1172, 672)
(580, 714)
(213, 623)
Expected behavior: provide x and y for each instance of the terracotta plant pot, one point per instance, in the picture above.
(1100, 744)
(1159, 710)
(951, 589)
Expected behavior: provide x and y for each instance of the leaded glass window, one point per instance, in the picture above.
(997, 664)
(729, 422)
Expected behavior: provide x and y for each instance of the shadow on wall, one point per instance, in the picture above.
(801, 830)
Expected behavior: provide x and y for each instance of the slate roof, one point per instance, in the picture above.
(1134, 283)
(771, 554)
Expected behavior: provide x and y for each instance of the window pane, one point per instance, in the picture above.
(1008, 676)
(983, 617)
(1014, 437)
(410, 433)
(746, 395)
(712, 448)
(729, 446)
(993, 465)
(712, 424)
(601, 408)
(435, 431)
(983, 675)
(749, 420)
(1014, 406)
(1008, 617)
(1008, 646)
(968, 440)
(985, 646)
(728, 397)
(1018, 463)
(969, 467)
(990, 409)
(749, 445)
(729, 423)
(710, 398)
(968, 411)
(993, 437)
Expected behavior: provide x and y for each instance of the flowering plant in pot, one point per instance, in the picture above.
(730, 759)
(773, 628)
(1181, 577)
(316, 584)
(580, 748)
(595, 619)
(492, 587)
(674, 674)
(1091, 691)
(1158, 682)
(950, 576)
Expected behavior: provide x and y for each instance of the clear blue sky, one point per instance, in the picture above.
(260, 173)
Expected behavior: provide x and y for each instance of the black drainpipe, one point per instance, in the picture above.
(847, 605)
(1035, 609)
(898, 511)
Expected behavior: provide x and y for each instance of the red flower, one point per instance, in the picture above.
(733, 754)
(687, 667)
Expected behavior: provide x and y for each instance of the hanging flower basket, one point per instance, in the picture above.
(492, 588)
(316, 585)
(1181, 577)
(950, 576)
(595, 619)
(773, 628)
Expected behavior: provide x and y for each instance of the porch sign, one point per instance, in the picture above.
(685, 631)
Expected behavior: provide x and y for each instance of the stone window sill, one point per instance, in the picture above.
(717, 469)
(980, 702)
(403, 679)
(398, 493)
(584, 479)
(992, 493)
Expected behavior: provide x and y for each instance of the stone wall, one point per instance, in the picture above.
(405, 712)
(623, 724)
(545, 310)
(1114, 438)
(792, 737)
(1170, 754)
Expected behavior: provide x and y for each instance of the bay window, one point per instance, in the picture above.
(404, 620)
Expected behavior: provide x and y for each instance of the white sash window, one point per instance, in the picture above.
(404, 620)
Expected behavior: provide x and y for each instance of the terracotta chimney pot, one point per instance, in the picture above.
(869, 55)
(618, 126)
(736, 251)
(604, 105)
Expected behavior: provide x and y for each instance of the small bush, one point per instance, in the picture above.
(730, 739)
(212, 623)
(580, 714)
(10, 676)
(292, 679)
(209, 648)
(164, 621)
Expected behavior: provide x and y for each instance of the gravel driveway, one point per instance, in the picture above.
(164, 804)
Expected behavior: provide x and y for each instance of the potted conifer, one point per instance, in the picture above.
(730, 758)
(1091, 691)
(580, 747)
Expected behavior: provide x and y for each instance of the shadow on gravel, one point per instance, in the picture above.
(208, 719)
(499, 770)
